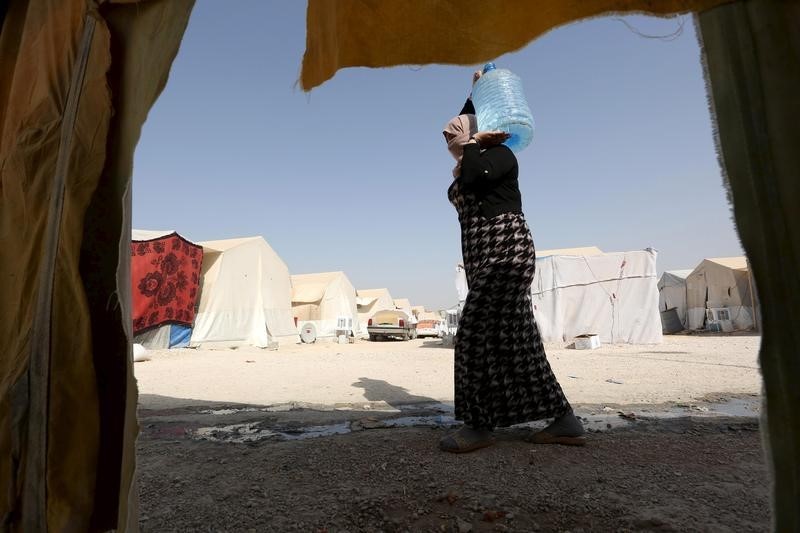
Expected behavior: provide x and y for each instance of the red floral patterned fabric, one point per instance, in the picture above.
(165, 274)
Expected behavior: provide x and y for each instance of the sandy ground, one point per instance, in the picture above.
(682, 369)
(343, 438)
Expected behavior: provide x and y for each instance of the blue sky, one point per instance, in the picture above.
(353, 176)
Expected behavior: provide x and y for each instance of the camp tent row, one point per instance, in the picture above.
(237, 293)
(243, 294)
(617, 295)
(578, 291)
(718, 292)
(329, 302)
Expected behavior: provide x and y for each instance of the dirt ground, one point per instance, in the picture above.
(352, 447)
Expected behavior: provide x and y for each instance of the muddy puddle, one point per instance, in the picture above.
(440, 415)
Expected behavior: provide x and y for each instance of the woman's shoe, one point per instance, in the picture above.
(466, 440)
(566, 429)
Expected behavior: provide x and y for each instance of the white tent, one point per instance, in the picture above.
(245, 296)
(721, 284)
(672, 292)
(369, 302)
(404, 305)
(584, 251)
(452, 317)
(429, 315)
(462, 287)
(323, 299)
(611, 294)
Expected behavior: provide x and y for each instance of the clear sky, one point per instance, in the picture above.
(353, 176)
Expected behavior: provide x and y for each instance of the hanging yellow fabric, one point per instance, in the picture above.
(376, 33)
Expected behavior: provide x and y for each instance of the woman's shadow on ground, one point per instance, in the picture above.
(377, 390)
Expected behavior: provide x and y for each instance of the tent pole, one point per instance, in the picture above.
(752, 295)
(686, 302)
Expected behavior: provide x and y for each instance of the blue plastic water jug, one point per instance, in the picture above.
(500, 104)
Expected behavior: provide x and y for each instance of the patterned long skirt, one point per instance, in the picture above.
(502, 376)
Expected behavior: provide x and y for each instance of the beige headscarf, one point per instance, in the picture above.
(462, 128)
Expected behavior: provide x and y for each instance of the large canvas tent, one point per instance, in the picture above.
(323, 299)
(428, 315)
(462, 288)
(245, 297)
(721, 283)
(582, 251)
(404, 304)
(612, 294)
(77, 79)
(369, 302)
(672, 293)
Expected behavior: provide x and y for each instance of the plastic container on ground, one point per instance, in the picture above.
(500, 104)
(587, 341)
(670, 322)
(140, 353)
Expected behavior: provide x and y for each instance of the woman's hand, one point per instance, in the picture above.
(490, 138)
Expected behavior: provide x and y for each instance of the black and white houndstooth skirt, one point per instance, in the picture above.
(502, 376)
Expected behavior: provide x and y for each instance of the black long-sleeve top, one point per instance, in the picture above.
(491, 175)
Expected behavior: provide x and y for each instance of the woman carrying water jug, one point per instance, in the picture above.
(502, 376)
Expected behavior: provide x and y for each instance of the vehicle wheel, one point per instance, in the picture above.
(372, 337)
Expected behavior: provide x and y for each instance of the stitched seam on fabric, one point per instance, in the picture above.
(35, 513)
